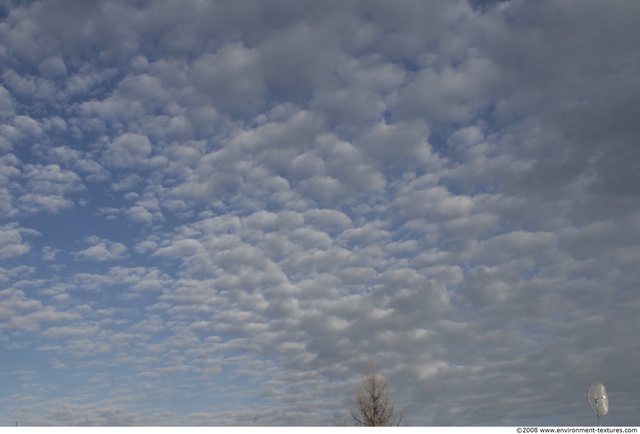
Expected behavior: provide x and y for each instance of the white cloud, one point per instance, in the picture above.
(140, 214)
(434, 202)
(6, 103)
(448, 188)
(53, 66)
(27, 314)
(329, 220)
(33, 203)
(49, 254)
(450, 93)
(128, 150)
(45, 188)
(101, 250)
(27, 126)
(8, 169)
(11, 243)
(396, 146)
(145, 246)
(70, 332)
(230, 79)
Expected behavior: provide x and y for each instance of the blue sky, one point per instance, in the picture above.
(218, 213)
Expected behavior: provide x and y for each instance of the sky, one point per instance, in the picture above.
(220, 212)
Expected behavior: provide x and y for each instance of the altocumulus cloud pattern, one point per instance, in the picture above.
(218, 213)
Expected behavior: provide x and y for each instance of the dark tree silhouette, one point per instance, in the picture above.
(373, 405)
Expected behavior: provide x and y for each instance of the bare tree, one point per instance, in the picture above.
(373, 404)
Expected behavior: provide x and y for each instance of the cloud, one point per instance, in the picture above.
(40, 188)
(50, 178)
(11, 241)
(450, 94)
(101, 250)
(25, 314)
(230, 79)
(6, 103)
(219, 213)
(53, 66)
(128, 150)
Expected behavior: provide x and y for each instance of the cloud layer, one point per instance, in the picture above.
(218, 214)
